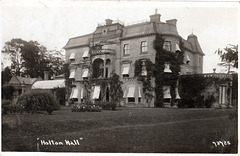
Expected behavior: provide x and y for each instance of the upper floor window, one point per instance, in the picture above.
(167, 45)
(144, 47)
(125, 70)
(126, 49)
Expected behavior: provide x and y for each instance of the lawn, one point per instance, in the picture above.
(134, 130)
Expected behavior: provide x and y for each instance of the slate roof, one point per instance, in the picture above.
(78, 41)
(192, 39)
(139, 29)
(165, 28)
(144, 28)
(22, 80)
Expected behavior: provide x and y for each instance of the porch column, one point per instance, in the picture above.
(104, 67)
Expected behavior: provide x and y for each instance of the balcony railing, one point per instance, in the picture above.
(103, 51)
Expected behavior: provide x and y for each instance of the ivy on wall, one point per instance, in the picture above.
(145, 79)
(114, 84)
(175, 59)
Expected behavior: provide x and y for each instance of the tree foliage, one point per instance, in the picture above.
(31, 58)
(229, 56)
(35, 101)
(6, 75)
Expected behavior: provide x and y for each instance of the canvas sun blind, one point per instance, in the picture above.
(72, 56)
(125, 69)
(96, 92)
(85, 73)
(72, 74)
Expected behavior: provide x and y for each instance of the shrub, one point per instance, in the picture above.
(108, 105)
(35, 101)
(5, 106)
(83, 108)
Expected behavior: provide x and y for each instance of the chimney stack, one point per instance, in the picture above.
(155, 18)
(108, 21)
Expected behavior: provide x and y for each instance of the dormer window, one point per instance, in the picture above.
(143, 47)
(167, 45)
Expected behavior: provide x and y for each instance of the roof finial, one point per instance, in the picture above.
(156, 11)
(192, 30)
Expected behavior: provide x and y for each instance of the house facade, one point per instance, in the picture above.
(114, 48)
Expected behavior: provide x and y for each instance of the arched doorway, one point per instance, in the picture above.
(98, 68)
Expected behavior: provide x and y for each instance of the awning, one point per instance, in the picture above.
(187, 59)
(81, 93)
(131, 90)
(49, 84)
(177, 48)
(96, 92)
(85, 73)
(139, 92)
(72, 56)
(125, 70)
(144, 72)
(72, 74)
(177, 94)
(167, 68)
(74, 93)
(166, 92)
(85, 54)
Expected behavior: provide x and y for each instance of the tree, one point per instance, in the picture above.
(6, 75)
(229, 56)
(31, 58)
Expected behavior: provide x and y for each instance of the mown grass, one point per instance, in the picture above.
(140, 130)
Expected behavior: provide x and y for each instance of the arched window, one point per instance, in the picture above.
(98, 68)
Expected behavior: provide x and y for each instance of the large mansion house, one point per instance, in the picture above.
(117, 47)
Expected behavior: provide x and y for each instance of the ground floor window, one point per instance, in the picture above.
(139, 99)
(130, 99)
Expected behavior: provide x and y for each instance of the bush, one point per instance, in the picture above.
(35, 101)
(5, 106)
(108, 105)
(83, 108)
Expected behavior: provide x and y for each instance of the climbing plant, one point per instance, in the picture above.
(145, 79)
(175, 59)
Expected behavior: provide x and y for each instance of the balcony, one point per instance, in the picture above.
(103, 52)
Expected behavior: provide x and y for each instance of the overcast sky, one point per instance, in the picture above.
(52, 23)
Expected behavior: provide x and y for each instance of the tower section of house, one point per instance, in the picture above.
(115, 48)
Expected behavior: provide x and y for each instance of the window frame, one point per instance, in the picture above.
(125, 65)
(126, 49)
(170, 44)
(144, 47)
